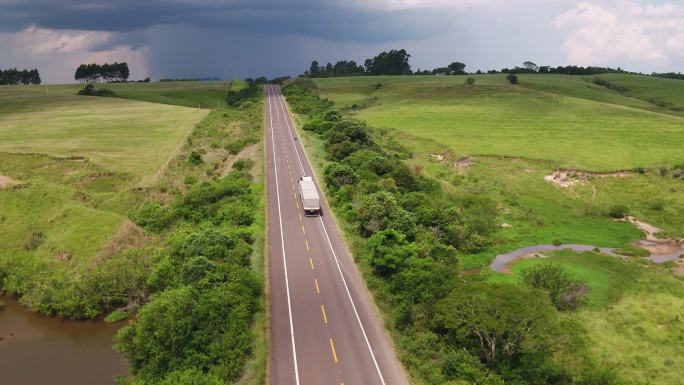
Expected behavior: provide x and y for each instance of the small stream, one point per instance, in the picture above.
(501, 261)
(36, 349)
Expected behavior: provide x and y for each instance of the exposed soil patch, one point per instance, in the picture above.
(661, 249)
(128, 236)
(446, 158)
(568, 178)
(464, 162)
(7, 182)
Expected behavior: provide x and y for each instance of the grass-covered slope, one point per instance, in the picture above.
(204, 94)
(118, 134)
(560, 124)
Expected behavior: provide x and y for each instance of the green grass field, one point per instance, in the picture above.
(441, 115)
(632, 313)
(121, 135)
(204, 94)
(495, 118)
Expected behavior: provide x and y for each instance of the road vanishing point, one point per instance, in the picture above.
(324, 328)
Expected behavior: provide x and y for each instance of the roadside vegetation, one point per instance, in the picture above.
(176, 247)
(450, 174)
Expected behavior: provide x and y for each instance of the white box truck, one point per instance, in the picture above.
(311, 202)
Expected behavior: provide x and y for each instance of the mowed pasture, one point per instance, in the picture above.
(604, 132)
(118, 134)
(203, 94)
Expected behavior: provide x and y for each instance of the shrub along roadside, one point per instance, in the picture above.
(202, 323)
(408, 234)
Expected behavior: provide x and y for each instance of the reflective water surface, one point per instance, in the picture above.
(36, 349)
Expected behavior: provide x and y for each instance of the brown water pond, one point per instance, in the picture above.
(36, 349)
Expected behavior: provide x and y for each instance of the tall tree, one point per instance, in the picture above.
(314, 69)
(394, 62)
(528, 65)
(457, 68)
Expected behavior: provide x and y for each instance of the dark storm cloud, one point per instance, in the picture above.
(321, 19)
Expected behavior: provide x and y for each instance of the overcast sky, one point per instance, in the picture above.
(239, 38)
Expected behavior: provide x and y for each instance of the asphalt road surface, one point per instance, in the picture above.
(324, 327)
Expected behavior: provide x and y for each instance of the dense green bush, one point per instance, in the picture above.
(184, 329)
(89, 90)
(303, 101)
(197, 327)
(200, 202)
(244, 95)
(512, 329)
(565, 291)
(244, 164)
(191, 377)
(195, 158)
(618, 211)
(152, 216)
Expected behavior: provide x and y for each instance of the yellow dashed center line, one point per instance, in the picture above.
(318, 289)
(325, 316)
(297, 203)
(311, 263)
(300, 214)
(307, 244)
(303, 230)
(332, 348)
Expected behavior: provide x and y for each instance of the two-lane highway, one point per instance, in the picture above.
(324, 328)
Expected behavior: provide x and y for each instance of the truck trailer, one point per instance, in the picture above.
(311, 202)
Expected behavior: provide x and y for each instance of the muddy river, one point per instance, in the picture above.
(35, 349)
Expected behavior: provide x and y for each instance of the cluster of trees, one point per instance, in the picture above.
(14, 76)
(207, 79)
(455, 68)
(197, 327)
(669, 75)
(454, 329)
(91, 73)
(341, 68)
(394, 62)
(251, 92)
(531, 68)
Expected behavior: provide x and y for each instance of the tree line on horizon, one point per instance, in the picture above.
(13, 76)
(396, 62)
(107, 73)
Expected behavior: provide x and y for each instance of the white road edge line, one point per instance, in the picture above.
(282, 242)
(337, 262)
(287, 122)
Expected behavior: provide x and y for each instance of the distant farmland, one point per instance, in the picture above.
(564, 119)
(118, 134)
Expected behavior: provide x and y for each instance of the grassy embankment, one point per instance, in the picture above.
(516, 135)
(68, 246)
